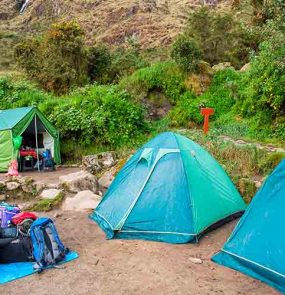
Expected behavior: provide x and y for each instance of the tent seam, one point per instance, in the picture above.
(255, 263)
(156, 232)
(188, 184)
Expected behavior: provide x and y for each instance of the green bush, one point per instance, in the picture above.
(164, 77)
(125, 62)
(186, 110)
(99, 63)
(19, 93)
(99, 114)
(262, 95)
(223, 92)
(186, 53)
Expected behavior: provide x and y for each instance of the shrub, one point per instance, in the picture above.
(266, 82)
(186, 111)
(125, 62)
(19, 93)
(99, 114)
(164, 77)
(58, 59)
(186, 53)
(223, 93)
(99, 63)
(262, 96)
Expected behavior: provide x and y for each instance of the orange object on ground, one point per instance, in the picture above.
(207, 112)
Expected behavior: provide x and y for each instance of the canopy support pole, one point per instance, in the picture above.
(37, 147)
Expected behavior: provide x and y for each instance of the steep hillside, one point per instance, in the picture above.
(152, 22)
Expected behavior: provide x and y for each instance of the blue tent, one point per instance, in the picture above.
(257, 245)
(171, 190)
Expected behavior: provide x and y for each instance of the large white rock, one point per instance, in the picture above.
(50, 194)
(79, 181)
(222, 66)
(84, 200)
(12, 185)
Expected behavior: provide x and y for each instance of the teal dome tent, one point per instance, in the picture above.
(257, 244)
(171, 190)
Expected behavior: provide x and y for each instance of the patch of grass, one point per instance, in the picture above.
(247, 188)
(271, 161)
(47, 205)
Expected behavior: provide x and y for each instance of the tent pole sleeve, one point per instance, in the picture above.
(37, 147)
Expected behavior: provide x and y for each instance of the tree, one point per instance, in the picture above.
(186, 53)
(57, 60)
(219, 36)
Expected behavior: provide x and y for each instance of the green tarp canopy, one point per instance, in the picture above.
(23, 122)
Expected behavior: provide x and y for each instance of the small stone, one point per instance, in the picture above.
(50, 194)
(2, 198)
(56, 215)
(196, 260)
(12, 186)
(52, 185)
(27, 188)
(258, 184)
(39, 186)
(25, 180)
(222, 66)
(245, 68)
(2, 184)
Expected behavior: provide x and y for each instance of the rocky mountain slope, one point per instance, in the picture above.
(152, 22)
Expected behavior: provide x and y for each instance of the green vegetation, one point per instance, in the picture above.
(105, 98)
(220, 36)
(164, 77)
(186, 53)
(57, 60)
(93, 115)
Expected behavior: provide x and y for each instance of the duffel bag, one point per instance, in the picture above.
(16, 250)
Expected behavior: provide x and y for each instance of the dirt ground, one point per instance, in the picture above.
(47, 177)
(135, 267)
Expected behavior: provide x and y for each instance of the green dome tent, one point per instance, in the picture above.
(171, 190)
(26, 122)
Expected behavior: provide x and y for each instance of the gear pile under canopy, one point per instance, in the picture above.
(31, 124)
(171, 190)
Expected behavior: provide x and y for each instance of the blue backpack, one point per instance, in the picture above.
(48, 249)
